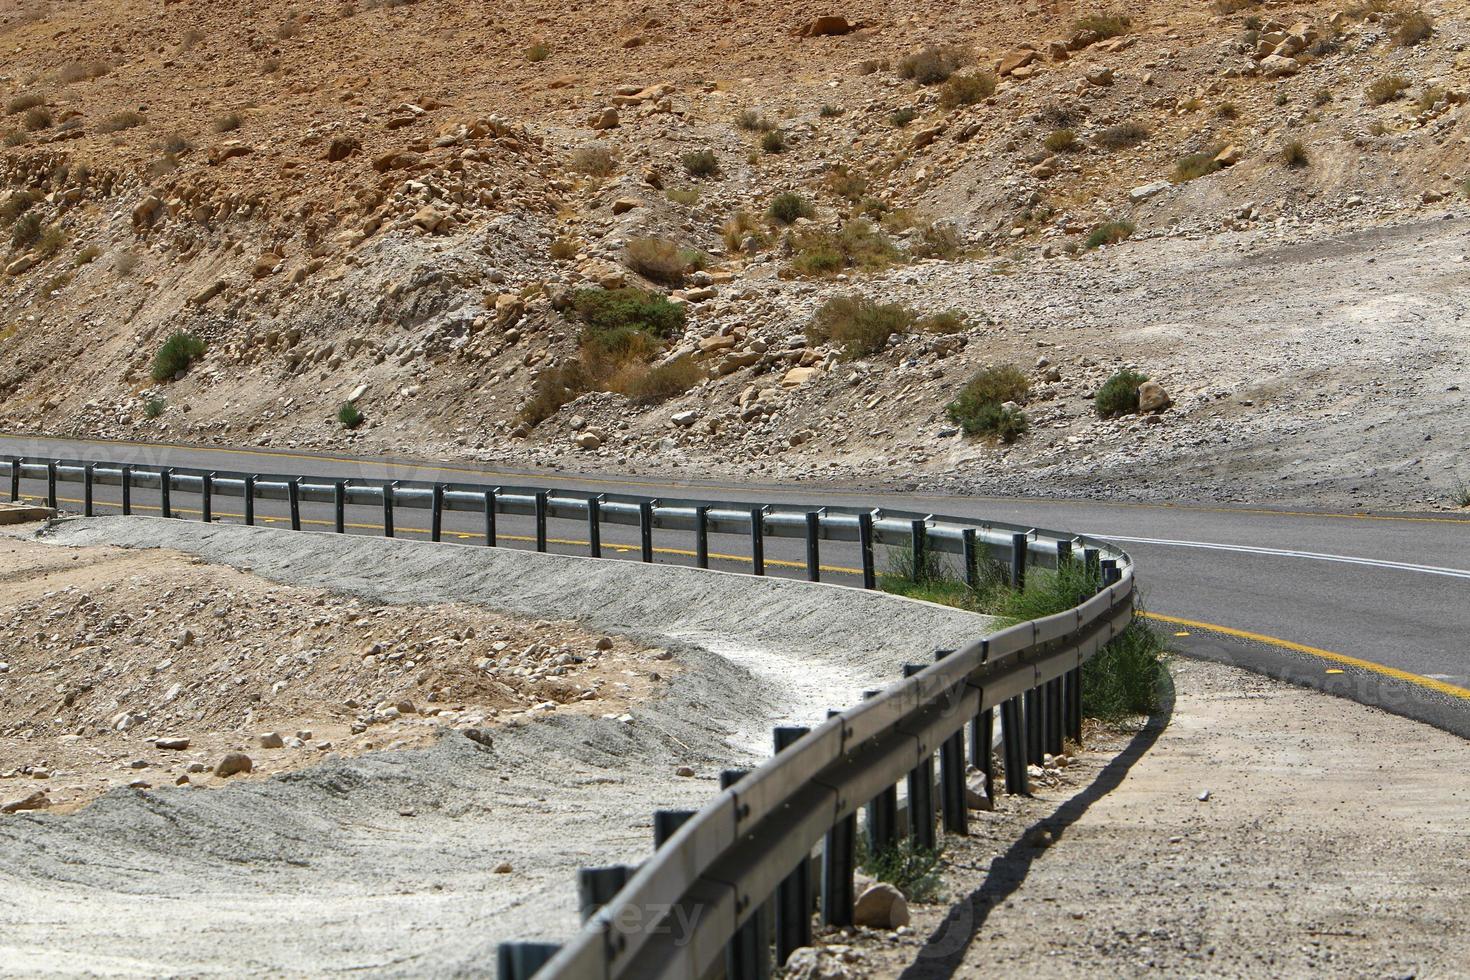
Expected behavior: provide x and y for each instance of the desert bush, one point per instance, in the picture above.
(119, 121)
(21, 103)
(774, 142)
(687, 196)
(1430, 97)
(15, 137)
(564, 249)
(173, 145)
(1119, 394)
(1061, 141)
(37, 118)
(179, 351)
(56, 283)
(124, 263)
(349, 416)
(1227, 110)
(1322, 97)
(1294, 154)
(16, 205)
(914, 871)
(647, 384)
(1324, 46)
(1235, 6)
(229, 122)
(537, 51)
(752, 121)
(593, 160)
(1195, 166)
(50, 241)
(739, 227)
(700, 163)
(189, 40)
(554, 387)
(1386, 89)
(86, 256)
(845, 184)
(981, 407)
(1411, 27)
(967, 89)
(1122, 136)
(933, 64)
(657, 259)
(1105, 25)
(290, 27)
(26, 230)
(1110, 233)
(83, 71)
(786, 207)
(857, 325)
(830, 111)
(937, 240)
(609, 310)
(900, 118)
(153, 408)
(945, 321)
(1123, 679)
(817, 252)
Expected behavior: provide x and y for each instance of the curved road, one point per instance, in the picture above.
(1372, 607)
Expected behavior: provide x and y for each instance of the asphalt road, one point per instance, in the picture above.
(1372, 607)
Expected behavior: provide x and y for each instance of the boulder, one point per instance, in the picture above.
(1012, 60)
(606, 119)
(827, 26)
(22, 264)
(588, 440)
(342, 147)
(233, 763)
(1101, 77)
(799, 376)
(172, 744)
(1229, 156)
(881, 907)
(625, 204)
(1146, 191)
(270, 740)
(1152, 398)
(35, 801)
(1277, 66)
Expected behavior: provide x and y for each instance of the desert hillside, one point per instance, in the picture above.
(1171, 248)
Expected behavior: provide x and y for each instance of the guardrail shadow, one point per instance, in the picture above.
(945, 949)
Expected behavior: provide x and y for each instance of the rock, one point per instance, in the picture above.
(398, 160)
(431, 219)
(1204, 796)
(358, 392)
(717, 343)
(686, 772)
(22, 264)
(1019, 58)
(1276, 66)
(36, 801)
(797, 377)
(829, 963)
(734, 362)
(881, 907)
(480, 736)
(1082, 39)
(924, 137)
(266, 264)
(606, 119)
(1101, 77)
(1038, 837)
(604, 643)
(588, 440)
(975, 798)
(271, 740)
(1057, 51)
(625, 204)
(232, 763)
(1145, 191)
(828, 26)
(503, 868)
(342, 147)
(1229, 156)
(228, 151)
(1152, 398)
(174, 744)
(684, 419)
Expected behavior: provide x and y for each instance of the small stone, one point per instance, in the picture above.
(1204, 796)
(271, 740)
(174, 744)
(686, 771)
(588, 440)
(36, 801)
(503, 868)
(881, 907)
(1152, 398)
(233, 763)
(604, 643)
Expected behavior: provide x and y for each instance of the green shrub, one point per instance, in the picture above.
(86, 256)
(900, 118)
(179, 351)
(786, 207)
(1123, 679)
(967, 89)
(915, 871)
(349, 416)
(1411, 27)
(120, 121)
(593, 160)
(16, 205)
(932, 64)
(1105, 25)
(842, 182)
(607, 310)
(21, 103)
(752, 121)
(537, 51)
(740, 227)
(687, 196)
(1227, 110)
(980, 409)
(773, 142)
(1323, 97)
(1122, 136)
(936, 240)
(1195, 166)
(1119, 394)
(153, 408)
(1294, 154)
(819, 252)
(857, 326)
(554, 387)
(26, 231)
(1386, 89)
(1110, 233)
(1061, 141)
(564, 249)
(38, 118)
(648, 385)
(657, 259)
(945, 321)
(700, 163)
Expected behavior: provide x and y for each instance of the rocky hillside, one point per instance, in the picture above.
(381, 226)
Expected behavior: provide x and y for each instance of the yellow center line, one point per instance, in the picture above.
(1441, 687)
(650, 484)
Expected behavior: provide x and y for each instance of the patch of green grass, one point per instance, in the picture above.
(1105, 25)
(1110, 233)
(1123, 679)
(1119, 394)
(349, 416)
(1460, 494)
(687, 196)
(915, 871)
(153, 408)
(608, 310)
(1195, 166)
(858, 326)
(820, 252)
(981, 409)
(179, 351)
(787, 206)
(700, 163)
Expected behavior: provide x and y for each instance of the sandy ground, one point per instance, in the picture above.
(1326, 845)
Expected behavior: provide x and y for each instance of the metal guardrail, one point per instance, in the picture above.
(750, 848)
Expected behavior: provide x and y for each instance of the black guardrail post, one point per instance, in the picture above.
(918, 539)
(490, 503)
(1019, 544)
(921, 793)
(1031, 701)
(645, 530)
(982, 734)
(839, 860)
(865, 547)
(597, 886)
(15, 465)
(339, 507)
(206, 498)
(51, 486)
(594, 526)
(758, 540)
(748, 954)
(127, 490)
(701, 537)
(1054, 720)
(1013, 747)
(389, 490)
(952, 777)
(882, 811)
(249, 495)
(1091, 563)
(970, 558)
(813, 552)
(1064, 554)
(666, 822)
(1073, 698)
(436, 513)
(541, 520)
(794, 894)
(165, 491)
(293, 499)
(519, 961)
(1110, 573)
(88, 475)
